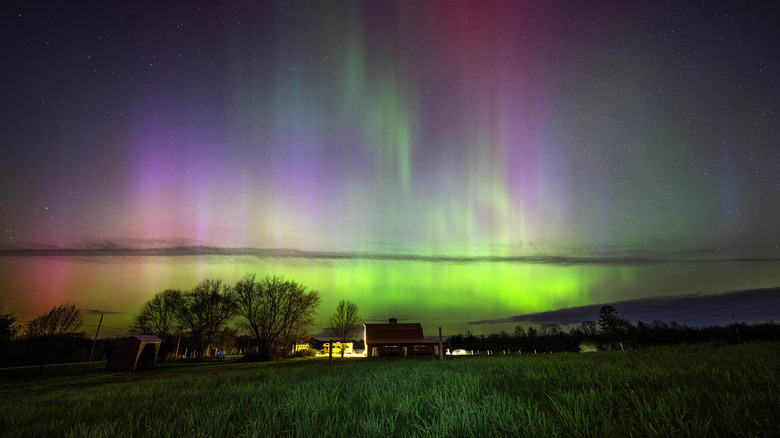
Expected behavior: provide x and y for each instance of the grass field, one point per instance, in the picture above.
(700, 390)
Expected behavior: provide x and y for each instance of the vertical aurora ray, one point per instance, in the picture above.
(335, 133)
(354, 131)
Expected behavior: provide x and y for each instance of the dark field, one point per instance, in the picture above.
(695, 390)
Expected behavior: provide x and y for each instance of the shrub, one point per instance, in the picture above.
(262, 355)
(588, 346)
(309, 352)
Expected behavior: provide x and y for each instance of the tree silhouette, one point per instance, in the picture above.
(60, 320)
(47, 330)
(615, 328)
(205, 311)
(158, 315)
(343, 322)
(550, 330)
(607, 319)
(8, 326)
(275, 310)
(589, 328)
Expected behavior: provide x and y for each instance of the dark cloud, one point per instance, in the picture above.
(755, 305)
(136, 243)
(102, 312)
(144, 248)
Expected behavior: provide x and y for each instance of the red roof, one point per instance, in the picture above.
(410, 333)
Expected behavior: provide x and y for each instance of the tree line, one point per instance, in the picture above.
(609, 331)
(276, 312)
(51, 336)
(272, 314)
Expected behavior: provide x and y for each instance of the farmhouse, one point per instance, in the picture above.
(394, 339)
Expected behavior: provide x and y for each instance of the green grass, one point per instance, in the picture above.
(702, 390)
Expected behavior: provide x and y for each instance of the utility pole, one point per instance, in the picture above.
(441, 352)
(177, 347)
(95, 340)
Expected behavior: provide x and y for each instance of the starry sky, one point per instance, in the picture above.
(441, 162)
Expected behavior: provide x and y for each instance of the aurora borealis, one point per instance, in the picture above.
(442, 162)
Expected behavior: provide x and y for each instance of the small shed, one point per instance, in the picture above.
(133, 353)
(394, 339)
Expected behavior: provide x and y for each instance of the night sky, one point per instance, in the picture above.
(441, 162)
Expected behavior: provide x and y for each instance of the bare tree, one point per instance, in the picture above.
(344, 322)
(158, 315)
(205, 311)
(550, 330)
(46, 331)
(60, 320)
(589, 328)
(276, 311)
(299, 311)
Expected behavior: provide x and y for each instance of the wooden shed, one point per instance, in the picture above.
(133, 353)
(394, 339)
